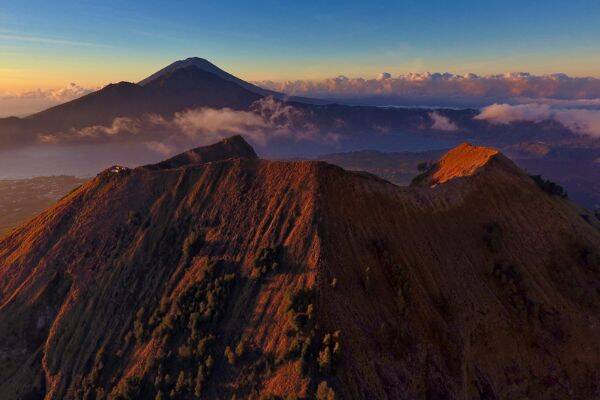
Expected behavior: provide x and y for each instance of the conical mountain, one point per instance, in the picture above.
(207, 66)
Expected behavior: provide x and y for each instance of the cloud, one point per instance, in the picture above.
(70, 92)
(268, 120)
(507, 113)
(441, 122)
(24, 103)
(579, 121)
(160, 148)
(445, 88)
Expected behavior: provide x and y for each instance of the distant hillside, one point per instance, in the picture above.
(220, 275)
(397, 167)
(574, 166)
(21, 199)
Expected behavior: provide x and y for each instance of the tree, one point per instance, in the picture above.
(230, 355)
(325, 360)
(240, 349)
(423, 166)
(324, 392)
(180, 384)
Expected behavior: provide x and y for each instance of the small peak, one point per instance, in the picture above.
(189, 64)
(231, 147)
(196, 59)
(462, 161)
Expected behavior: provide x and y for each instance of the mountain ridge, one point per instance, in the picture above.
(249, 277)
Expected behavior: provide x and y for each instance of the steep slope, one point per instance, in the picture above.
(219, 274)
(207, 66)
(233, 147)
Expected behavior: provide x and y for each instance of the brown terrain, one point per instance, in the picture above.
(575, 166)
(220, 275)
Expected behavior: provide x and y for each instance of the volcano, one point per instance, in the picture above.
(209, 67)
(217, 274)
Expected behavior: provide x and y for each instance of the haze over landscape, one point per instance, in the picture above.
(279, 200)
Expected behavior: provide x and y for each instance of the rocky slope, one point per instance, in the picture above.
(217, 274)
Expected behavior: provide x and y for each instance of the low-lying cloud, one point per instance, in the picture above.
(441, 122)
(578, 120)
(268, 119)
(28, 102)
(444, 89)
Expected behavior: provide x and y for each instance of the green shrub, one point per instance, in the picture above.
(128, 389)
(184, 351)
(199, 381)
(192, 244)
(134, 218)
(492, 237)
(181, 382)
(298, 302)
(324, 392)
(266, 260)
(209, 363)
(549, 187)
(294, 348)
(368, 278)
(230, 355)
(240, 349)
(325, 361)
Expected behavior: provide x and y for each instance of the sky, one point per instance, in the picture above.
(53, 44)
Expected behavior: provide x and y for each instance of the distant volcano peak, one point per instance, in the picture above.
(207, 66)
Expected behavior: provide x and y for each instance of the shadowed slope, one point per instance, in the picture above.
(176, 91)
(222, 274)
(233, 147)
(207, 66)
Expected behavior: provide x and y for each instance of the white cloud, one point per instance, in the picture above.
(441, 122)
(28, 102)
(269, 119)
(507, 113)
(418, 88)
(580, 121)
(586, 122)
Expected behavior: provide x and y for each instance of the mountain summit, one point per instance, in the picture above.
(207, 66)
(217, 274)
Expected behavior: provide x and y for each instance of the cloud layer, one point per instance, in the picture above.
(578, 120)
(268, 120)
(28, 102)
(445, 88)
(441, 122)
